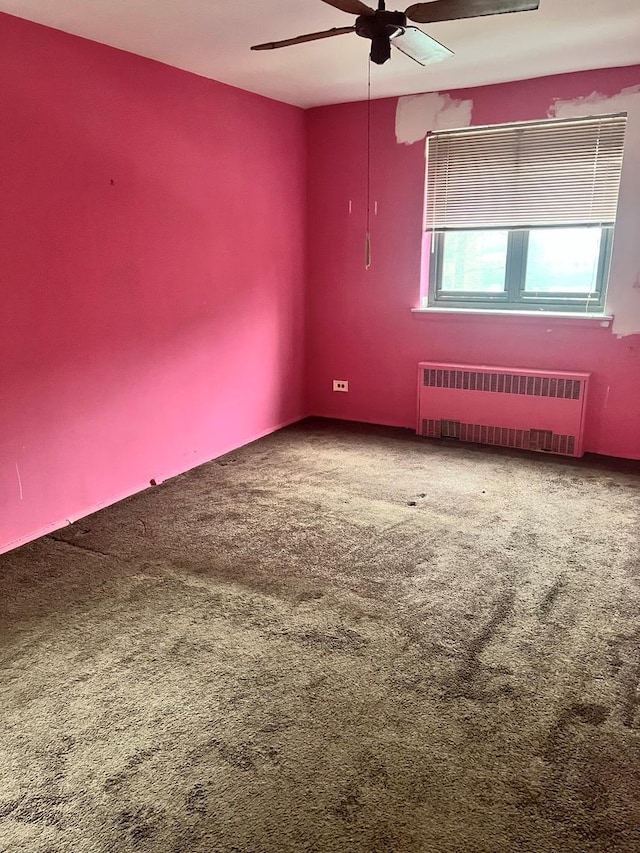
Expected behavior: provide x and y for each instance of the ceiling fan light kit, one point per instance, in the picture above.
(384, 28)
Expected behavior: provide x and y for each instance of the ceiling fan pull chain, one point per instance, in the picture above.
(367, 241)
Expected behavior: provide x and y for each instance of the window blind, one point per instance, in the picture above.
(559, 172)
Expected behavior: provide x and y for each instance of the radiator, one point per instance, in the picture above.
(522, 408)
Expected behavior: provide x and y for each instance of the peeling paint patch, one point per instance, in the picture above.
(623, 298)
(596, 104)
(418, 115)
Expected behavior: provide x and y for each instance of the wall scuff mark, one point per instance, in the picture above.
(418, 115)
(19, 482)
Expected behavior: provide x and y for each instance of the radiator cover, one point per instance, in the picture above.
(511, 407)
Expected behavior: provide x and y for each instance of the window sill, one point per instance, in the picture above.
(603, 320)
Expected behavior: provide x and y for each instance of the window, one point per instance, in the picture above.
(521, 216)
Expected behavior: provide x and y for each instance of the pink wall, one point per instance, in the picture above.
(360, 322)
(152, 263)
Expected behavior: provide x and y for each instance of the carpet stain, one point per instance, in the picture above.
(113, 783)
(465, 682)
(631, 691)
(35, 809)
(138, 825)
(197, 800)
(551, 596)
(342, 639)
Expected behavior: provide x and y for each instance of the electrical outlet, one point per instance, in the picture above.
(340, 385)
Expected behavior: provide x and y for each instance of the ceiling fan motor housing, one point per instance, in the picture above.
(380, 24)
(380, 29)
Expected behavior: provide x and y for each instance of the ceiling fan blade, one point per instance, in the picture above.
(420, 47)
(325, 34)
(355, 7)
(454, 10)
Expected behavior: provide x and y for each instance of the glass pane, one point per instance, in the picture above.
(563, 260)
(474, 261)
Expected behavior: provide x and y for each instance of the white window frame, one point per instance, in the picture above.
(599, 211)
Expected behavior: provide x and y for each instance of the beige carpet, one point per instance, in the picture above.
(336, 639)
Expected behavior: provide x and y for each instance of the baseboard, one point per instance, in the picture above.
(622, 464)
(141, 487)
(365, 421)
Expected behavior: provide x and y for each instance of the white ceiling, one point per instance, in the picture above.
(212, 38)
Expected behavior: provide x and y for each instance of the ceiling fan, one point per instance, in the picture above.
(382, 27)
